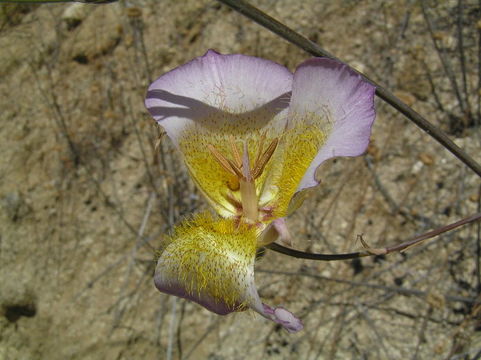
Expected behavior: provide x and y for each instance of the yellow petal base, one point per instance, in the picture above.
(209, 256)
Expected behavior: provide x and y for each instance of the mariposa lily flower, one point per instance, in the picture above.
(252, 135)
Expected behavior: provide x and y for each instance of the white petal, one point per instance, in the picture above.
(214, 87)
(335, 98)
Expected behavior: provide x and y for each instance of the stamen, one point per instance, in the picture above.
(237, 169)
(225, 163)
(233, 201)
(261, 147)
(235, 152)
(264, 159)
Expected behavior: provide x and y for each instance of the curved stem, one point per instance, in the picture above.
(416, 240)
(321, 257)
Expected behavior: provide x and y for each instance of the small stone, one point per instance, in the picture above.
(358, 66)
(133, 12)
(474, 198)
(75, 14)
(405, 97)
(418, 165)
(436, 300)
(426, 159)
(440, 347)
(98, 35)
(438, 35)
(14, 205)
(374, 151)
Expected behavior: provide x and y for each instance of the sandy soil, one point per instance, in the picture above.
(86, 198)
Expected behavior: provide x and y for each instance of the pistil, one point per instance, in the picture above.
(248, 190)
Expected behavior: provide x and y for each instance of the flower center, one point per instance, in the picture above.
(245, 175)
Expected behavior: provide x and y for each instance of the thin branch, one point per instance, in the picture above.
(394, 289)
(57, 1)
(394, 207)
(462, 57)
(448, 71)
(148, 210)
(170, 343)
(179, 329)
(375, 251)
(478, 92)
(430, 234)
(433, 88)
(312, 48)
(199, 341)
(310, 256)
(380, 338)
(478, 248)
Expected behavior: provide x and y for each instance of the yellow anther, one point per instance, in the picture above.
(239, 167)
(235, 152)
(264, 159)
(225, 163)
(261, 147)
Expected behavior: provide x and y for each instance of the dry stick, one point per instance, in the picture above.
(138, 28)
(395, 208)
(422, 331)
(448, 71)
(59, 117)
(148, 168)
(395, 289)
(462, 57)
(390, 291)
(148, 210)
(478, 112)
(179, 329)
(312, 48)
(57, 1)
(478, 248)
(170, 343)
(209, 329)
(476, 357)
(375, 251)
(433, 87)
(371, 324)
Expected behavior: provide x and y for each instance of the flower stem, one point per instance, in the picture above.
(372, 252)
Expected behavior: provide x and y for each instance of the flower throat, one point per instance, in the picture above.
(245, 175)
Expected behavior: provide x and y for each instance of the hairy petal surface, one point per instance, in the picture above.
(299, 144)
(211, 262)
